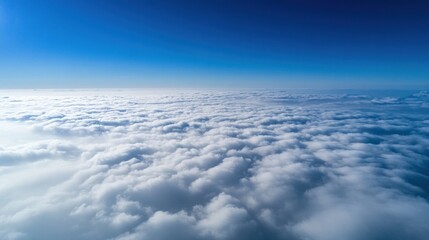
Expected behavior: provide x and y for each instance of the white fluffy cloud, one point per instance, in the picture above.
(213, 165)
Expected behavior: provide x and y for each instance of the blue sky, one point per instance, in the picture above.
(218, 43)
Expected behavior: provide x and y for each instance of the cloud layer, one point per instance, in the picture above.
(213, 165)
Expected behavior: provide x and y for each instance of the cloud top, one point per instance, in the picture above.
(213, 165)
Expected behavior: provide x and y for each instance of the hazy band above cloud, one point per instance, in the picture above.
(213, 165)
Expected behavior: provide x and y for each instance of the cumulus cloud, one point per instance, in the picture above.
(213, 165)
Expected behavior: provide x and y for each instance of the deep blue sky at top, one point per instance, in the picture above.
(214, 43)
